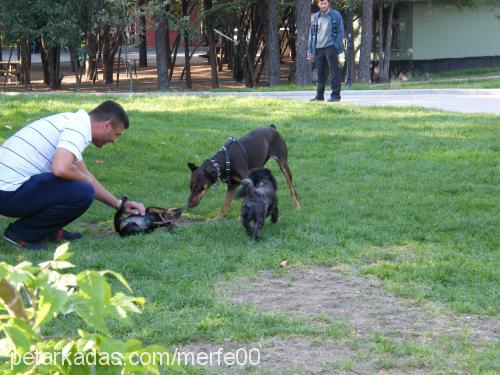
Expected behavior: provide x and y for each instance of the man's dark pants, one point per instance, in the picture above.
(323, 56)
(45, 204)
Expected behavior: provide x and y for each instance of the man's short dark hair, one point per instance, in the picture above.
(110, 110)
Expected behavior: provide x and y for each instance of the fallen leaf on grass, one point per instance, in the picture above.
(99, 161)
(8, 127)
(284, 264)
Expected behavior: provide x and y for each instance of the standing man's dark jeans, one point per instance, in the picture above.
(45, 204)
(323, 56)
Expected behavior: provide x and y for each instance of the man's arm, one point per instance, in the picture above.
(310, 40)
(64, 166)
(103, 195)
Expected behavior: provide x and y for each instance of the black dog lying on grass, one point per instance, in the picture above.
(260, 200)
(154, 218)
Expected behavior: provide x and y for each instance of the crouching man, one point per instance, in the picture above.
(43, 179)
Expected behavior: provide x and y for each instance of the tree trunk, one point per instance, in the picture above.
(211, 46)
(92, 51)
(273, 52)
(25, 55)
(380, 35)
(45, 61)
(366, 42)
(384, 73)
(168, 49)
(161, 54)
(107, 60)
(143, 50)
(111, 45)
(303, 72)
(54, 59)
(187, 64)
(174, 55)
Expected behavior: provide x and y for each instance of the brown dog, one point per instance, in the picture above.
(233, 161)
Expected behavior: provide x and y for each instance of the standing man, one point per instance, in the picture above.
(43, 179)
(326, 42)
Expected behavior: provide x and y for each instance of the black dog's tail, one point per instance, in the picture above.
(247, 188)
(273, 126)
(119, 213)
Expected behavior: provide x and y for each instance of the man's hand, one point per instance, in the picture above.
(309, 56)
(132, 207)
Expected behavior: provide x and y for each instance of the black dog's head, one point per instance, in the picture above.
(202, 178)
(153, 218)
(260, 200)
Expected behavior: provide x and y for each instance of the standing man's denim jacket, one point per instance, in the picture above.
(337, 29)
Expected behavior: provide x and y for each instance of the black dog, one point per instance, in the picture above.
(154, 218)
(233, 161)
(260, 200)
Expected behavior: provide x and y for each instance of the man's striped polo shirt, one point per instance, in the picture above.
(31, 150)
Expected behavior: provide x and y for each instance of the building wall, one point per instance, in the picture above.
(442, 30)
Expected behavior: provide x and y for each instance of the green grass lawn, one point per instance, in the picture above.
(407, 195)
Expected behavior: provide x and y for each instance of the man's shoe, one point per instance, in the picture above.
(318, 99)
(333, 100)
(12, 238)
(64, 235)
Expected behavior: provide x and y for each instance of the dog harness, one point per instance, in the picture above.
(225, 150)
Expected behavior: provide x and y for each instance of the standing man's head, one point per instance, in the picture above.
(323, 5)
(108, 121)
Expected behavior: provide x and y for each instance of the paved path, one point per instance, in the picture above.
(457, 100)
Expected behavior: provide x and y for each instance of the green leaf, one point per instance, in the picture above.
(20, 333)
(56, 265)
(62, 252)
(122, 304)
(92, 299)
(119, 277)
(50, 304)
(4, 270)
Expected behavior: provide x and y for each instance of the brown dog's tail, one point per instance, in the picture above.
(119, 213)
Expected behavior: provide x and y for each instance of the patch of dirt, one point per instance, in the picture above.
(361, 303)
(295, 355)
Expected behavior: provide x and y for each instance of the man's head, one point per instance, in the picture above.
(323, 5)
(108, 121)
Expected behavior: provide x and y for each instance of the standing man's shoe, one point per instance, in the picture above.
(333, 100)
(13, 239)
(318, 99)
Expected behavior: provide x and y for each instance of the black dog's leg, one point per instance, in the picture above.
(257, 230)
(274, 214)
(248, 227)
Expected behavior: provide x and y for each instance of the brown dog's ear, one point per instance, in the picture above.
(192, 166)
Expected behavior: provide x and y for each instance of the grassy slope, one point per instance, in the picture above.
(406, 194)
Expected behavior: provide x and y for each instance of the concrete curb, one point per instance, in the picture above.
(282, 94)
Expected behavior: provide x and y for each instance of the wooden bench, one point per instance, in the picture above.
(9, 69)
(118, 63)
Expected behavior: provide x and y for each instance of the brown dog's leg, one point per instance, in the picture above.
(288, 176)
(231, 189)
